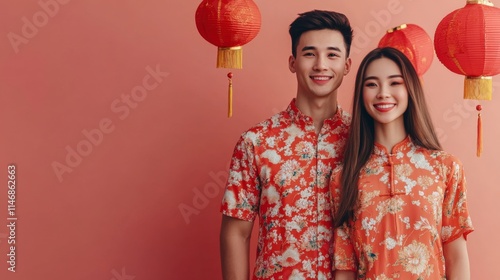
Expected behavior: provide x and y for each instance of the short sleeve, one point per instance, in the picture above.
(344, 256)
(241, 197)
(456, 219)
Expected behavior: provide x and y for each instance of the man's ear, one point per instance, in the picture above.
(291, 64)
(348, 63)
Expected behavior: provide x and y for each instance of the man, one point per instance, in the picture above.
(280, 168)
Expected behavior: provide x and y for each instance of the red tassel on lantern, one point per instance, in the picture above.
(467, 42)
(230, 95)
(414, 42)
(479, 131)
(228, 24)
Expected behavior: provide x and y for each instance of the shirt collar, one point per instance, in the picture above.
(402, 146)
(297, 116)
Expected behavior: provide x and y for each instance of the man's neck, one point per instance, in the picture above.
(319, 109)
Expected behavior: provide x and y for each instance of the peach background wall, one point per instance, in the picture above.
(123, 99)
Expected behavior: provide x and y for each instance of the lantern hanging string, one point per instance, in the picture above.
(230, 95)
(479, 131)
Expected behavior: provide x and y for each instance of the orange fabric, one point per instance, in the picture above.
(411, 202)
(280, 170)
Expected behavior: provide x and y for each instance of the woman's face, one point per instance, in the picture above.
(384, 93)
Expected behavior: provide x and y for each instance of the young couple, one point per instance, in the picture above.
(374, 197)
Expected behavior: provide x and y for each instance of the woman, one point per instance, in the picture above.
(399, 201)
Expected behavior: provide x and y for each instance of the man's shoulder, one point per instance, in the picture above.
(278, 121)
(345, 116)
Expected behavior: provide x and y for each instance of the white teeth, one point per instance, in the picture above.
(385, 106)
(321, 78)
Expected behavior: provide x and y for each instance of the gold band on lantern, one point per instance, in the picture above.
(478, 88)
(230, 57)
(402, 26)
(482, 2)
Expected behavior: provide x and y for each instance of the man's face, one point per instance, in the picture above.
(320, 64)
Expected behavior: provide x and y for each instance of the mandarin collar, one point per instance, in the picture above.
(402, 146)
(297, 116)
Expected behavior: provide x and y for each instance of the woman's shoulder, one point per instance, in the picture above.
(443, 160)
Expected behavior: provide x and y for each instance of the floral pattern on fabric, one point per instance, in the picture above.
(411, 202)
(280, 171)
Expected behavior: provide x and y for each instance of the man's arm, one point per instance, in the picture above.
(457, 259)
(345, 275)
(235, 248)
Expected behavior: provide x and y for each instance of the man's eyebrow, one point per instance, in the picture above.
(307, 48)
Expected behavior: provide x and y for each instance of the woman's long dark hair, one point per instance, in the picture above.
(359, 147)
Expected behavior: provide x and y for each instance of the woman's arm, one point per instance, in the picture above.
(457, 259)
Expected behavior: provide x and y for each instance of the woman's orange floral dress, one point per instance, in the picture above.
(411, 202)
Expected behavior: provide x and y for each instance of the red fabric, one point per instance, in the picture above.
(468, 39)
(415, 43)
(228, 23)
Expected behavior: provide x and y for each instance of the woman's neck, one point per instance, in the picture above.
(388, 135)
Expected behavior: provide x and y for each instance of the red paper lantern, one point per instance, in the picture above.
(228, 24)
(467, 42)
(414, 42)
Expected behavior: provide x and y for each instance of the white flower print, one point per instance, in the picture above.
(446, 232)
(406, 221)
(296, 275)
(289, 171)
(293, 131)
(230, 199)
(306, 193)
(305, 150)
(290, 257)
(272, 156)
(367, 225)
(271, 195)
(342, 234)
(422, 224)
(288, 210)
(385, 178)
(414, 258)
(419, 161)
(409, 184)
(302, 203)
(271, 141)
(390, 243)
